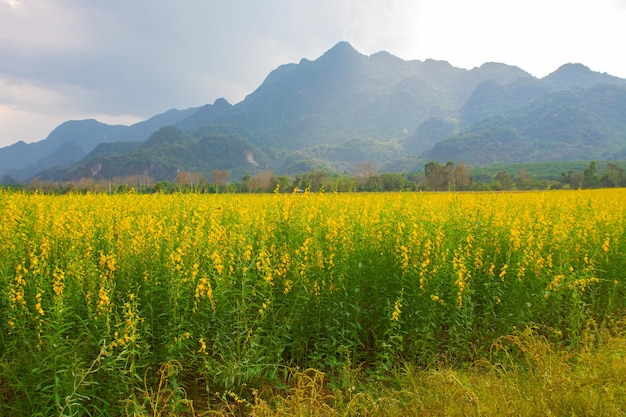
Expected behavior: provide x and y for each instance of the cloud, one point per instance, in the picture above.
(14, 4)
(119, 58)
(373, 25)
(141, 57)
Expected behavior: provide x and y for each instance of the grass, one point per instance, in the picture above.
(535, 378)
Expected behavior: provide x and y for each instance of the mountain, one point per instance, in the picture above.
(343, 95)
(166, 153)
(570, 76)
(344, 108)
(577, 124)
(23, 160)
(491, 97)
(73, 140)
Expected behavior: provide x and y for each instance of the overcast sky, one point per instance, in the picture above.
(122, 61)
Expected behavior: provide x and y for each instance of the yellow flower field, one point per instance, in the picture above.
(100, 292)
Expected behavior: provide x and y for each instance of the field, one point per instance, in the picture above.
(205, 304)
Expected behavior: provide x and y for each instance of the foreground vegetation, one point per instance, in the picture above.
(531, 377)
(182, 304)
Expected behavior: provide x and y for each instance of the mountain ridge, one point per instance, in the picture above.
(310, 113)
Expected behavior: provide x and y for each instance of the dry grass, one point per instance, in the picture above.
(531, 376)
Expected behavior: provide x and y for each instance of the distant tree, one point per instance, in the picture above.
(524, 181)
(430, 168)
(144, 182)
(219, 178)
(163, 187)
(364, 170)
(183, 178)
(87, 183)
(392, 181)
(504, 179)
(462, 177)
(282, 184)
(344, 183)
(314, 180)
(245, 183)
(264, 181)
(366, 176)
(590, 175)
(574, 179)
(191, 180)
(439, 177)
(613, 176)
(42, 186)
(434, 176)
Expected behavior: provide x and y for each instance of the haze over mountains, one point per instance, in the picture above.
(345, 108)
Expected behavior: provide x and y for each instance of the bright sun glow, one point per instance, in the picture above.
(13, 3)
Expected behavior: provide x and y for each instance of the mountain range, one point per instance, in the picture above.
(346, 108)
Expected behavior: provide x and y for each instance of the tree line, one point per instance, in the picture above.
(365, 177)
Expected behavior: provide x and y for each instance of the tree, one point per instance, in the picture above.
(192, 180)
(282, 184)
(392, 181)
(524, 181)
(219, 178)
(245, 183)
(573, 178)
(613, 177)
(439, 177)
(366, 175)
(434, 175)
(263, 181)
(364, 170)
(504, 179)
(462, 177)
(313, 180)
(590, 175)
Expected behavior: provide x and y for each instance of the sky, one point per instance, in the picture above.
(123, 61)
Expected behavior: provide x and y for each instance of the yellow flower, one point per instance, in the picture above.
(58, 282)
(202, 346)
(264, 306)
(397, 309)
(503, 271)
(204, 289)
(288, 286)
(217, 263)
(38, 305)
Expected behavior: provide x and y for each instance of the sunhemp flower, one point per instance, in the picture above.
(218, 264)
(463, 275)
(503, 271)
(404, 256)
(204, 289)
(202, 343)
(397, 309)
(288, 286)
(437, 299)
(103, 300)
(108, 261)
(38, 305)
(264, 307)
(58, 283)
